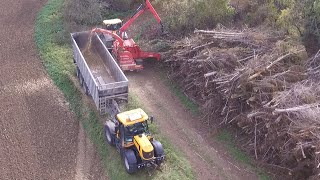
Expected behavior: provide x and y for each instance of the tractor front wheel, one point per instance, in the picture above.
(158, 150)
(130, 161)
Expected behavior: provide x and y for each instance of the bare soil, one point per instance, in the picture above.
(38, 134)
(186, 132)
(88, 161)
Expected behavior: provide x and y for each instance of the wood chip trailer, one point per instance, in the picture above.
(98, 72)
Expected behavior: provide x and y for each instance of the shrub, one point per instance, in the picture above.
(121, 5)
(311, 36)
(186, 15)
(83, 12)
(80, 15)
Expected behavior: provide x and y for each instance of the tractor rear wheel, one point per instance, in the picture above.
(108, 135)
(130, 161)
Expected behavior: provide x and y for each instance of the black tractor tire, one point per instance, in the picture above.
(109, 134)
(158, 150)
(130, 161)
(139, 61)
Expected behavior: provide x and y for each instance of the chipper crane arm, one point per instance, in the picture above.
(142, 8)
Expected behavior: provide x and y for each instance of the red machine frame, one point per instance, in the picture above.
(127, 52)
(142, 8)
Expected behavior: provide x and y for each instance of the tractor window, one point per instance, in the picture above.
(114, 27)
(117, 26)
(136, 129)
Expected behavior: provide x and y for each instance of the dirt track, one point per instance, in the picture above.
(38, 134)
(178, 125)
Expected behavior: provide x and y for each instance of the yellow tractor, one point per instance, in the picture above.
(130, 134)
(112, 24)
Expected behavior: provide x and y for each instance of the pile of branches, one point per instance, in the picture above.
(261, 83)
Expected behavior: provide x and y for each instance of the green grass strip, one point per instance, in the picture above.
(57, 59)
(229, 141)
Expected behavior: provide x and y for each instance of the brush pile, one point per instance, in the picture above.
(261, 83)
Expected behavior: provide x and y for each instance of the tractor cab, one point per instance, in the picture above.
(131, 124)
(112, 24)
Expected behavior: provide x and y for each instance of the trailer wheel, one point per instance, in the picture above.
(109, 135)
(81, 80)
(130, 161)
(78, 72)
(85, 88)
(158, 150)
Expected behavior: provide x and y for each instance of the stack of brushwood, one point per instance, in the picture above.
(261, 82)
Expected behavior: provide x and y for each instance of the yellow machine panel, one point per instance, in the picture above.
(131, 117)
(146, 148)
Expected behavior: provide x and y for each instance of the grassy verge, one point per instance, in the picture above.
(57, 59)
(187, 103)
(228, 140)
